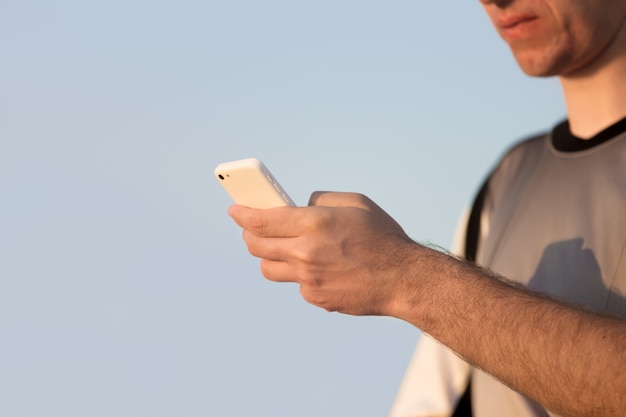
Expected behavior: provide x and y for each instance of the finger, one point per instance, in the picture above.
(350, 200)
(277, 271)
(276, 249)
(273, 222)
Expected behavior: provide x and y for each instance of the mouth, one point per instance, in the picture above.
(516, 26)
(513, 21)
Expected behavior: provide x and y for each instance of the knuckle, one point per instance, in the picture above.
(258, 224)
(322, 219)
(358, 197)
(315, 297)
(360, 200)
(304, 256)
(310, 281)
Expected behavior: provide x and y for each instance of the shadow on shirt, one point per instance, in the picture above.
(570, 272)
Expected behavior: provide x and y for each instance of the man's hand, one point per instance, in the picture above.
(346, 253)
(349, 256)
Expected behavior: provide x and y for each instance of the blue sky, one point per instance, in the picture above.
(124, 287)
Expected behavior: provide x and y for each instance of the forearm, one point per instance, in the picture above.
(568, 359)
(348, 255)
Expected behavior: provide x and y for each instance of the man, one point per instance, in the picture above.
(553, 220)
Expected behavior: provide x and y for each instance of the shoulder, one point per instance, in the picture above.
(519, 159)
(523, 150)
(508, 167)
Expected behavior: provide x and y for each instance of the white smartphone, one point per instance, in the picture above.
(250, 183)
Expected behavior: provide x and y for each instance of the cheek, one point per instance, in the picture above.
(548, 52)
(587, 40)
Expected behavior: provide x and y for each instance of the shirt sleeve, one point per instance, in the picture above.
(433, 383)
(436, 377)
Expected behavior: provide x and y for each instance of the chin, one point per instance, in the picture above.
(554, 68)
(554, 59)
(534, 69)
(539, 72)
(543, 64)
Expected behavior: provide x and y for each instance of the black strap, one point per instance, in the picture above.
(464, 406)
(473, 225)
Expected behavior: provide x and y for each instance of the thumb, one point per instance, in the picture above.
(340, 199)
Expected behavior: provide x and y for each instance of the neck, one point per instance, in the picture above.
(595, 95)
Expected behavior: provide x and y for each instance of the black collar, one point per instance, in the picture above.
(564, 141)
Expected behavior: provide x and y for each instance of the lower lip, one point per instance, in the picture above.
(520, 30)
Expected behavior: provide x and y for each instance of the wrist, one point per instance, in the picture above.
(417, 276)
